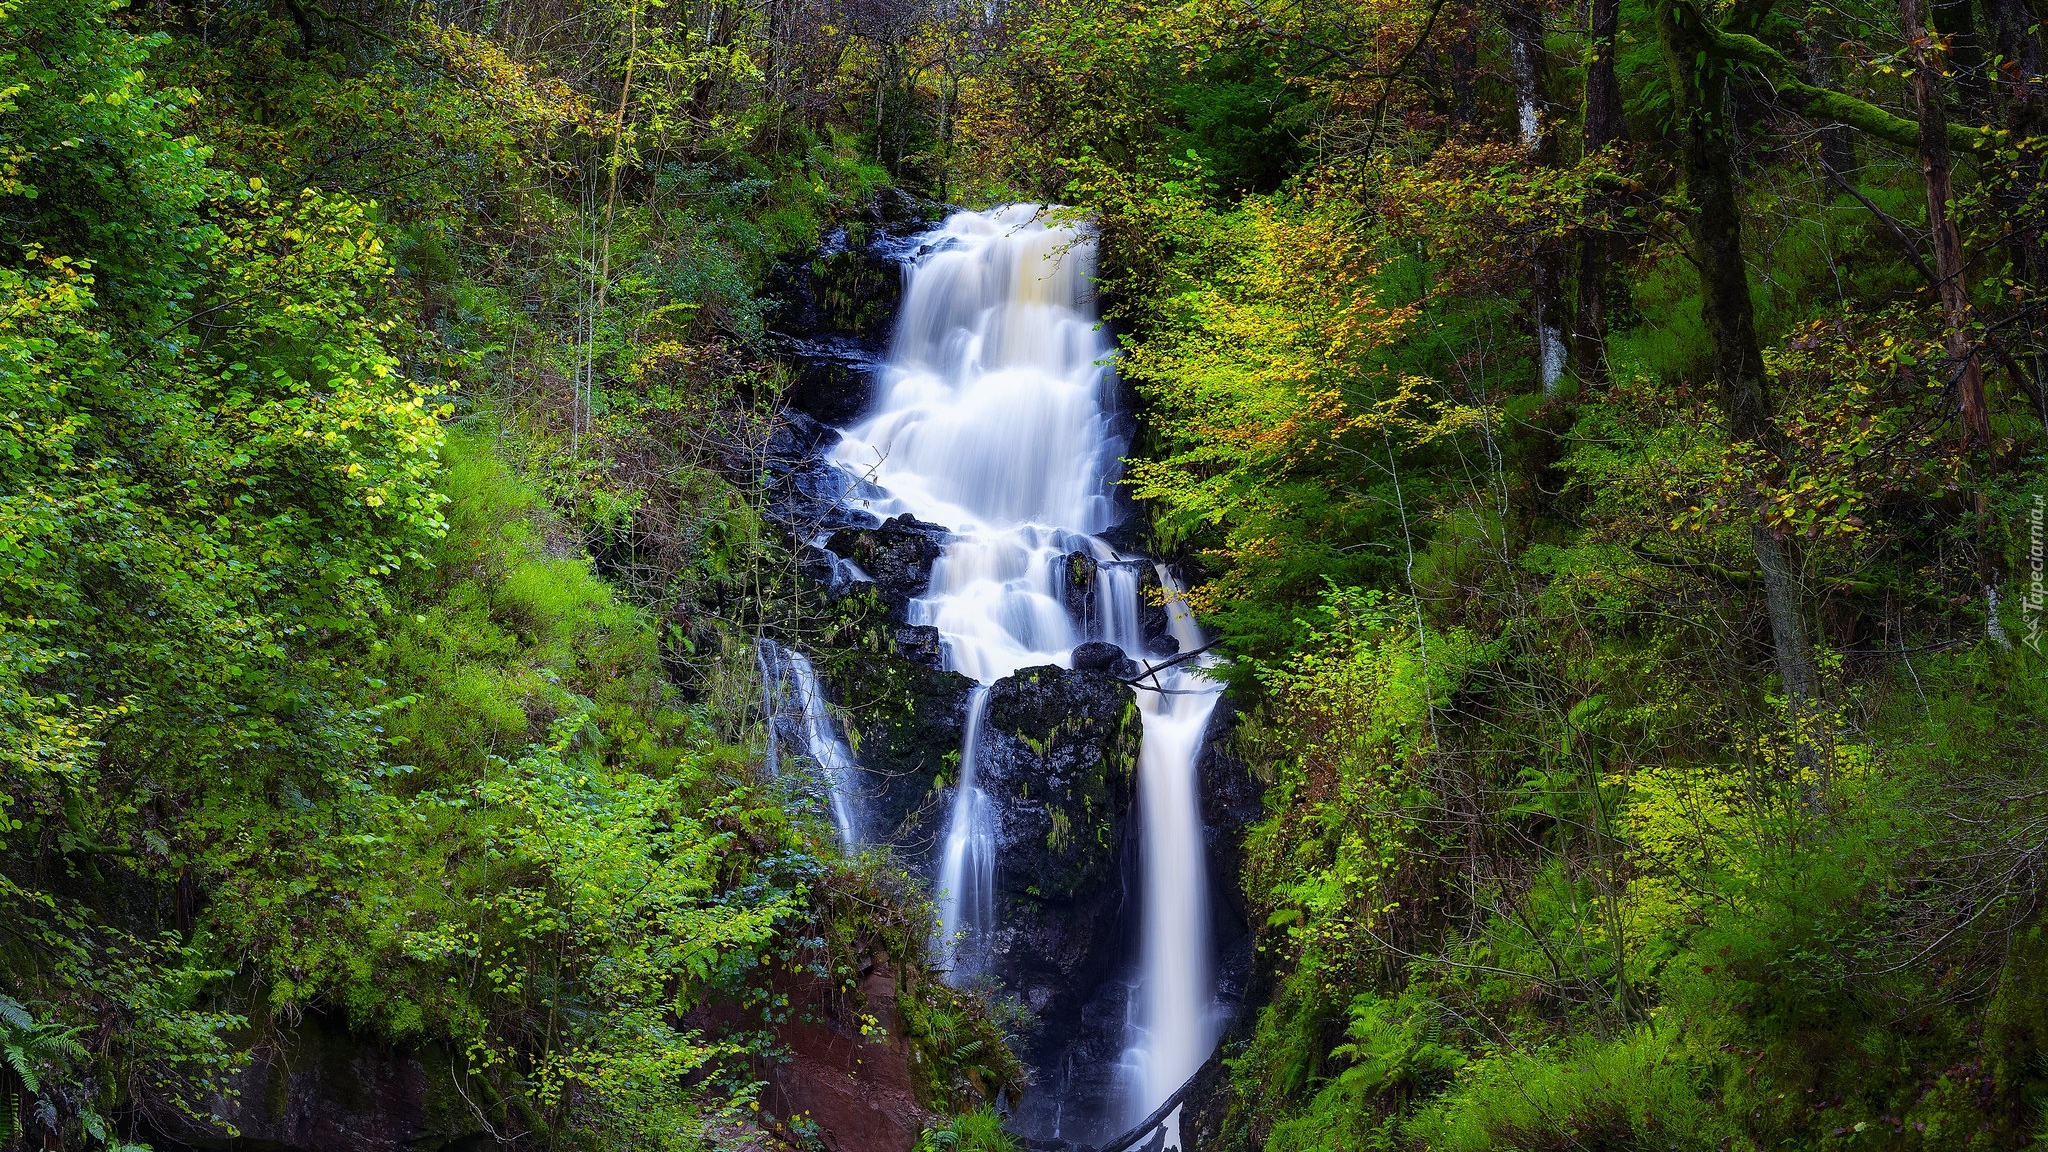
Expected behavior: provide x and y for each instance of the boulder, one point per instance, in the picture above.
(1098, 656)
(1058, 755)
(898, 556)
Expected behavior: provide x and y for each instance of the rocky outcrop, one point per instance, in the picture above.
(907, 718)
(831, 1085)
(1099, 656)
(1058, 758)
(919, 644)
(854, 1092)
(897, 557)
(835, 310)
(806, 493)
(1078, 589)
(1059, 748)
(1152, 617)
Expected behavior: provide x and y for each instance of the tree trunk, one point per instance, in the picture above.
(2018, 96)
(1700, 82)
(1948, 242)
(1954, 20)
(1464, 54)
(1524, 20)
(1603, 126)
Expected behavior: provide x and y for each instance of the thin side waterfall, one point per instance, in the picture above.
(787, 675)
(967, 862)
(993, 418)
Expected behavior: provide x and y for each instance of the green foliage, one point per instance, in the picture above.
(977, 1131)
(309, 704)
(1634, 1092)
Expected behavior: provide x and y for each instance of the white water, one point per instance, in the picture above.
(1176, 1017)
(789, 682)
(993, 418)
(967, 861)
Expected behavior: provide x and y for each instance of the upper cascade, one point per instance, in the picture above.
(991, 411)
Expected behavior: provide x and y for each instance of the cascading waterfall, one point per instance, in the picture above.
(993, 418)
(785, 674)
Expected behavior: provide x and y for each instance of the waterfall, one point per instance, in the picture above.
(993, 417)
(785, 672)
(967, 862)
(1176, 1017)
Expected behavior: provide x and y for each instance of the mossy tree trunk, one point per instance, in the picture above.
(1699, 80)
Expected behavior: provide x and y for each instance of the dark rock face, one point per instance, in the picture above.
(1097, 656)
(849, 287)
(807, 495)
(1079, 586)
(835, 378)
(837, 309)
(1058, 759)
(856, 288)
(907, 721)
(315, 1088)
(919, 644)
(1058, 754)
(897, 556)
(1152, 616)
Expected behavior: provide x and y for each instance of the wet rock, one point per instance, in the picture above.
(818, 566)
(1058, 760)
(1131, 536)
(1098, 656)
(897, 556)
(1079, 585)
(919, 644)
(806, 493)
(906, 720)
(795, 437)
(834, 378)
(1058, 756)
(814, 497)
(854, 288)
(852, 283)
(1153, 620)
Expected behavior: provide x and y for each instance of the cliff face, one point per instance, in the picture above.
(849, 1091)
(315, 1087)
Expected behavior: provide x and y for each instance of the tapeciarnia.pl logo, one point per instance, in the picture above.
(2037, 561)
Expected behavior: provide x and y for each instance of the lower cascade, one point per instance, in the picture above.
(995, 417)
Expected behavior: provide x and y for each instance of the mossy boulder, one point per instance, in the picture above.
(1059, 750)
